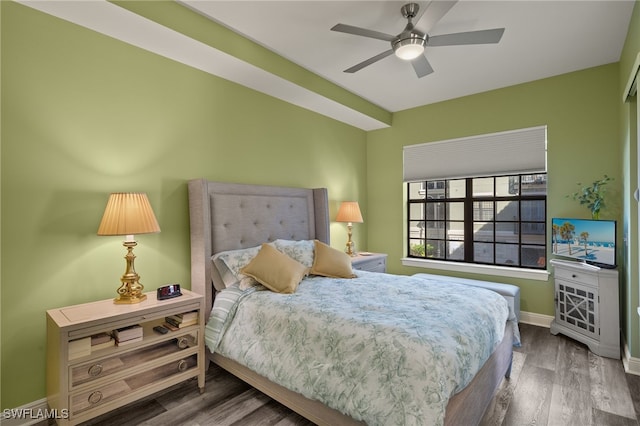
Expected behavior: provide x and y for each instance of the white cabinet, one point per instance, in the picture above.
(586, 299)
(85, 380)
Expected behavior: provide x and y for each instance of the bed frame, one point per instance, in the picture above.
(227, 216)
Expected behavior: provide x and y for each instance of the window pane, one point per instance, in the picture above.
(483, 210)
(455, 250)
(483, 187)
(435, 189)
(534, 184)
(416, 190)
(416, 229)
(435, 211)
(533, 257)
(455, 231)
(507, 210)
(457, 188)
(416, 247)
(482, 231)
(507, 232)
(416, 211)
(455, 211)
(507, 254)
(435, 230)
(533, 233)
(435, 249)
(483, 252)
(507, 186)
(533, 210)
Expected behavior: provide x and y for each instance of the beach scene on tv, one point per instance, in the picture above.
(591, 241)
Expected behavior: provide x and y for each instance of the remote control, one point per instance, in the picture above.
(160, 329)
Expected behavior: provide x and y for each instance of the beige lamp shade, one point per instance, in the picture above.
(128, 214)
(349, 212)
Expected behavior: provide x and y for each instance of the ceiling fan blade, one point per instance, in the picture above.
(433, 13)
(470, 37)
(369, 61)
(349, 29)
(421, 66)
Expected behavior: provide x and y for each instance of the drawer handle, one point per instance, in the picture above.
(183, 342)
(183, 365)
(95, 397)
(95, 370)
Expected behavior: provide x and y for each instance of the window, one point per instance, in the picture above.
(494, 220)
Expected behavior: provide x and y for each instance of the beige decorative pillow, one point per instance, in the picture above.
(330, 262)
(275, 270)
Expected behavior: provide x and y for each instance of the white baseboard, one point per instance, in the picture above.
(536, 319)
(631, 364)
(28, 414)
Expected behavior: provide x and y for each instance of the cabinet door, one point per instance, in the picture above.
(577, 307)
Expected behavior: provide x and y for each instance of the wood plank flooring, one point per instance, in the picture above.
(555, 381)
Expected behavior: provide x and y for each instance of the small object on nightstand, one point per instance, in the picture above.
(169, 291)
(160, 329)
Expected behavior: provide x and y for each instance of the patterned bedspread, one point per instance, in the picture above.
(385, 349)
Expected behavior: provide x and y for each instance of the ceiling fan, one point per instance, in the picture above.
(410, 43)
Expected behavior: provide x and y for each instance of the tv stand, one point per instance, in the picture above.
(586, 302)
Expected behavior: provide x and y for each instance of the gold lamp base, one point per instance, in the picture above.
(349, 250)
(130, 292)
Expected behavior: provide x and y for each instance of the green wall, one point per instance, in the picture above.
(581, 110)
(85, 115)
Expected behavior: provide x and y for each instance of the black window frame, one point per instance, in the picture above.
(536, 227)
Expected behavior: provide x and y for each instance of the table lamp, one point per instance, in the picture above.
(129, 214)
(349, 212)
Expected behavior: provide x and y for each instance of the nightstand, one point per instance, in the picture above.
(374, 262)
(85, 380)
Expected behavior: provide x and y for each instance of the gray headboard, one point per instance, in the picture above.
(227, 216)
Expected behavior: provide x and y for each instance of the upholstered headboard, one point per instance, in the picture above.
(228, 216)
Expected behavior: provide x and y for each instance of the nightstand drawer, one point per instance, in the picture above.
(104, 367)
(576, 276)
(109, 392)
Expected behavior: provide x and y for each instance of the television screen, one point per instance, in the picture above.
(591, 241)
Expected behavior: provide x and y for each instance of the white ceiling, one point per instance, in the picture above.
(541, 39)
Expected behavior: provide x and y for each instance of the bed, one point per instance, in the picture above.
(228, 217)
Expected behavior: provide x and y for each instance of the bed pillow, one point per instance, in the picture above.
(229, 263)
(301, 250)
(330, 262)
(275, 270)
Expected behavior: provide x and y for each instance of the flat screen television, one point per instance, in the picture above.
(586, 240)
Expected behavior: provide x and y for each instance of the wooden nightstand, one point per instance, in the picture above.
(374, 262)
(83, 382)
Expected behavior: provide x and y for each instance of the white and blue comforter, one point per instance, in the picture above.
(381, 348)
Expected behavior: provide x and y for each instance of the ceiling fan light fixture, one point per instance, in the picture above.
(409, 46)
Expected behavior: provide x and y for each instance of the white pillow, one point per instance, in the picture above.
(300, 250)
(230, 262)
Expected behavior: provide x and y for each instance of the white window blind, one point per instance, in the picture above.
(503, 153)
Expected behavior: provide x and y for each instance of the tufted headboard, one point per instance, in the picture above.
(227, 216)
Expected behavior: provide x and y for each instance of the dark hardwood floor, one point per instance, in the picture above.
(555, 381)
